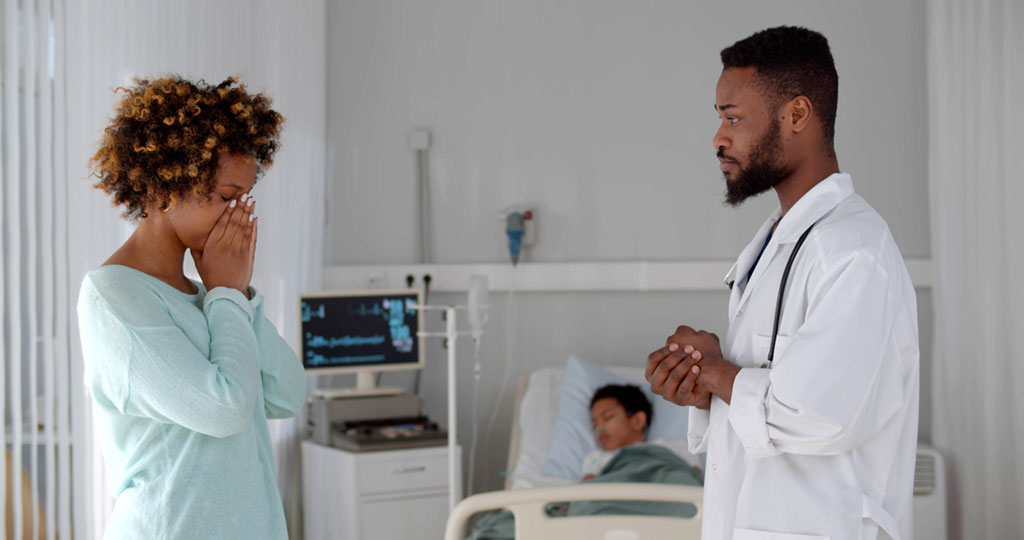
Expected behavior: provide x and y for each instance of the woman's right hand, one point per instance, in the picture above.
(228, 255)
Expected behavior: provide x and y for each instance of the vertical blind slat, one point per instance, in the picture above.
(5, 36)
(62, 349)
(48, 259)
(12, 215)
(31, 266)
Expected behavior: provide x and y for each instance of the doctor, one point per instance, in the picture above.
(808, 410)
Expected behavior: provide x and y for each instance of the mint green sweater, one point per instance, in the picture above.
(183, 386)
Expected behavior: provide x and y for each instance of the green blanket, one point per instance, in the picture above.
(641, 463)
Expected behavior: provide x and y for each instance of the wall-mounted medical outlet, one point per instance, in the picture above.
(520, 222)
(418, 139)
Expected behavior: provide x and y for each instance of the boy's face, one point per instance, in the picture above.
(613, 429)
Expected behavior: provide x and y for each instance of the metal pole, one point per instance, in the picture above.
(453, 463)
(423, 175)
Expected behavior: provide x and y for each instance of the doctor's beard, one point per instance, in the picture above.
(763, 173)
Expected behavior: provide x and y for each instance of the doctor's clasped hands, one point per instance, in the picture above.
(690, 368)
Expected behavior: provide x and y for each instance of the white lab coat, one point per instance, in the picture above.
(823, 444)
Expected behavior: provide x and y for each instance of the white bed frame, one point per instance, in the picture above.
(533, 523)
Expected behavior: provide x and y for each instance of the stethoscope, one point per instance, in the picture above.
(730, 281)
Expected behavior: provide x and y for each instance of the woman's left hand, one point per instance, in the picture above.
(252, 245)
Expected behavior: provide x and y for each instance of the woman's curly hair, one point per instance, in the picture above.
(164, 140)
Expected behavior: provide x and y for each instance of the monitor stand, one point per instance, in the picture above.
(365, 387)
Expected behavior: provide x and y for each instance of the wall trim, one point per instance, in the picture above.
(638, 276)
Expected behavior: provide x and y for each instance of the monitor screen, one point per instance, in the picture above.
(359, 330)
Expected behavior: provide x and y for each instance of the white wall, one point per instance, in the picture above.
(599, 113)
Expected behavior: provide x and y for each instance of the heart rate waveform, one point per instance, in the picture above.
(319, 360)
(308, 314)
(373, 310)
(343, 341)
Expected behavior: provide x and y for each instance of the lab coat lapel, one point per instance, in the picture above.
(742, 266)
(817, 202)
(766, 259)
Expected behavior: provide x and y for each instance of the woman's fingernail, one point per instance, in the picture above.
(697, 355)
(233, 203)
(252, 217)
(244, 197)
(695, 370)
(251, 200)
(673, 347)
(688, 349)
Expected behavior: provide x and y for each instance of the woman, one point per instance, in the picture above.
(185, 374)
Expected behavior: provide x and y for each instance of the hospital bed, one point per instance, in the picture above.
(529, 491)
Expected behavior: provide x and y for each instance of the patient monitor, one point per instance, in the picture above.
(360, 332)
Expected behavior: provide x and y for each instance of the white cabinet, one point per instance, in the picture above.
(389, 495)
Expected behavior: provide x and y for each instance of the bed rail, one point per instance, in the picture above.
(533, 523)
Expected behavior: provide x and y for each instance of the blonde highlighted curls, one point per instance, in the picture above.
(162, 144)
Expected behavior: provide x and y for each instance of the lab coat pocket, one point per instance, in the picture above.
(761, 343)
(751, 534)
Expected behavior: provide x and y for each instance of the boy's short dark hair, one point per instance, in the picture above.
(629, 396)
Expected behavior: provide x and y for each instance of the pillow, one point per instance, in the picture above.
(536, 421)
(574, 439)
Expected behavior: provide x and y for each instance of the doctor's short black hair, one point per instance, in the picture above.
(792, 61)
(629, 396)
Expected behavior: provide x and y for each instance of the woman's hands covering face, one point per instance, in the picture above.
(227, 257)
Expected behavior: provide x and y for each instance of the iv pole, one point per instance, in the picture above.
(450, 334)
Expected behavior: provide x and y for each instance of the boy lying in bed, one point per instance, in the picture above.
(620, 415)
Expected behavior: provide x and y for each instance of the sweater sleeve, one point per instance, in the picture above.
(145, 365)
(281, 373)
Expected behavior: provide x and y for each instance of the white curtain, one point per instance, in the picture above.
(36, 390)
(276, 47)
(976, 115)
